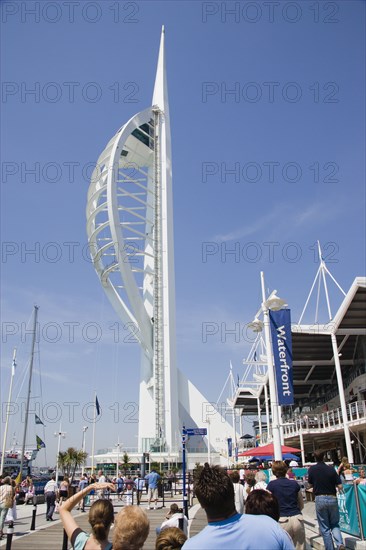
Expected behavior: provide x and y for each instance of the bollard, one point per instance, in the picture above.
(34, 513)
(9, 535)
(185, 506)
(64, 541)
(163, 495)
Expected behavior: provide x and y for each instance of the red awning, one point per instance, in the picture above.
(268, 450)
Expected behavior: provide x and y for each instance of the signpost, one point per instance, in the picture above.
(187, 432)
(196, 431)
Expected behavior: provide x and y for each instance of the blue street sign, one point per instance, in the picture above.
(196, 431)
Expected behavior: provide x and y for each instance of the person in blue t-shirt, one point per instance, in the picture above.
(83, 483)
(120, 486)
(152, 494)
(226, 528)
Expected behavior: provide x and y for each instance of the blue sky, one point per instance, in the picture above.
(292, 130)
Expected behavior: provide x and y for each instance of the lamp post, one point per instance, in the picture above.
(275, 303)
(118, 447)
(59, 434)
(83, 447)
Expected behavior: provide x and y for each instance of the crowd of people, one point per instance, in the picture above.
(243, 511)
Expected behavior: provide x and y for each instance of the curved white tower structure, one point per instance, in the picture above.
(130, 232)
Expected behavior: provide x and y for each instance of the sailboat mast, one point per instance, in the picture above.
(8, 411)
(29, 390)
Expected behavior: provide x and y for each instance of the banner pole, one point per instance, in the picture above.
(362, 527)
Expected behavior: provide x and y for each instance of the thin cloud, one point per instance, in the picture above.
(254, 227)
(284, 216)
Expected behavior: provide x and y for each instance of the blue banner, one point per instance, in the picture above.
(230, 446)
(361, 491)
(280, 322)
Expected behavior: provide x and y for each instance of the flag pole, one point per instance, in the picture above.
(13, 365)
(93, 439)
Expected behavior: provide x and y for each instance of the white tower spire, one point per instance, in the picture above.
(160, 95)
(130, 230)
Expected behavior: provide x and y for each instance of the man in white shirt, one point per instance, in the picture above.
(50, 492)
(101, 479)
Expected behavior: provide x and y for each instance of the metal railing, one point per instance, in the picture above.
(327, 421)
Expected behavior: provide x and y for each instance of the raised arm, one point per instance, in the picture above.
(65, 510)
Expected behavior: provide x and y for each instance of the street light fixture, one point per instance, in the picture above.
(256, 325)
(118, 445)
(274, 302)
(58, 434)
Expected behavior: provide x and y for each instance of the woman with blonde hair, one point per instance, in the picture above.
(171, 538)
(261, 480)
(101, 517)
(131, 529)
(345, 471)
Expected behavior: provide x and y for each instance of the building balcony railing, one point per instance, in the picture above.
(327, 421)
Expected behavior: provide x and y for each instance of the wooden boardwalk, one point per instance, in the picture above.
(50, 535)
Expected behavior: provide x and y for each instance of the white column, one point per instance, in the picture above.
(208, 441)
(302, 447)
(282, 435)
(234, 434)
(259, 420)
(267, 408)
(271, 378)
(342, 400)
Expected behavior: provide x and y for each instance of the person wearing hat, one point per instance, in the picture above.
(174, 518)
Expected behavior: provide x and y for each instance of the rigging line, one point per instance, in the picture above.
(98, 350)
(23, 380)
(19, 361)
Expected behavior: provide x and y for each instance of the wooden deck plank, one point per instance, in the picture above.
(50, 536)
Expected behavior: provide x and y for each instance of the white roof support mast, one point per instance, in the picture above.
(320, 275)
